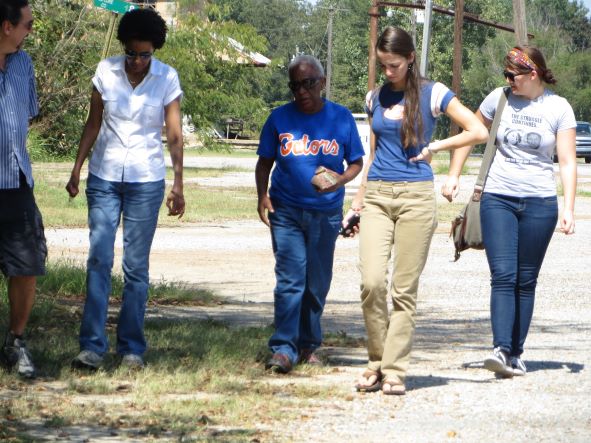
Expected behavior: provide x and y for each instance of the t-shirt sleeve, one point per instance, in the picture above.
(441, 95)
(268, 140)
(566, 119)
(488, 106)
(173, 90)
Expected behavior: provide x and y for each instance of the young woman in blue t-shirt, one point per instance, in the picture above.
(397, 202)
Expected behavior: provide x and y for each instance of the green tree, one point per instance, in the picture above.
(65, 48)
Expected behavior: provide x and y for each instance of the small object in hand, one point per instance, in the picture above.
(323, 178)
(353, 221)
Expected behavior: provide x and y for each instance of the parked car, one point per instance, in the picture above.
(583, 142)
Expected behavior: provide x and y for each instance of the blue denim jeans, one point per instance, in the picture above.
(139, 204)
(516, 233)
(303, 244)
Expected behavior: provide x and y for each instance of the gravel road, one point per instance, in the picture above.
(450, 397)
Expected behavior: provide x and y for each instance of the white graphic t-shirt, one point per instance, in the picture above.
(526, 141)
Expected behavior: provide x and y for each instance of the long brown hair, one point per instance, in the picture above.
(537, 57)
(397, 41)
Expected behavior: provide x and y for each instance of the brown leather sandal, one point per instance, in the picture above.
(396, 387)
(375, 386)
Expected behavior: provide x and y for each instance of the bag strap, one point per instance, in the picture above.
(491, 146)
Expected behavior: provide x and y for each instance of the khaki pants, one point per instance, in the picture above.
(400, 216)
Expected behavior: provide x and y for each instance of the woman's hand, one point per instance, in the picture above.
(175, 202)
(351, 213)
(72, 185)
(567, 222)
(451, 187)
(426, 155)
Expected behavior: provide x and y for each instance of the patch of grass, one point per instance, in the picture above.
(202, 379)
(204, 204)
(242, 153)
(190, 172)
(67, 280)
(441, 167)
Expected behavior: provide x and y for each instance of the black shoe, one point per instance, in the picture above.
(279, 363)
(499, 363)
(17, 356)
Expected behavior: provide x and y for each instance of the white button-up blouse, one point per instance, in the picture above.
(129, 144)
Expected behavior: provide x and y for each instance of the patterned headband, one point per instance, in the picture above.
(521, 58)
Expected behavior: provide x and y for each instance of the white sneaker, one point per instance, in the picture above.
(518, 366)
(499, 363)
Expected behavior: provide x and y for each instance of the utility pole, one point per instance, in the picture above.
(519, 22)
(374, 13)
(456, 82)
(426, 37)
(329, 53)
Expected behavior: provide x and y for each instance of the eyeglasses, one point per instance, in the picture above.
(511, 75)
(130, 55)
(307, 84)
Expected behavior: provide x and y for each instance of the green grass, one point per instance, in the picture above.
(189, 172)
(243, 153)
(202, 376)
(67, 280)
(203, 204)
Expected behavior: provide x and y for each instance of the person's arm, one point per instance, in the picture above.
(262, 173)
(89, 135)
(567, 162)
(474, 132)
(175, 201)
(457, 160)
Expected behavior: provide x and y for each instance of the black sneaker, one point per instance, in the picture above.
(87, 360)
(499, 363)
(17, 356)
(518, 366)
(279, 363)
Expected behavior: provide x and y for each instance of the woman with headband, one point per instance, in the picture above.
(519, 207)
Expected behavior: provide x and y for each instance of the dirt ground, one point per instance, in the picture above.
(450, 396)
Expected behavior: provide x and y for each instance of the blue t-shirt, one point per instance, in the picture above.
(391, 160)
(300, 143)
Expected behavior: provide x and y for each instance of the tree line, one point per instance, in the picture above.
(69, 36)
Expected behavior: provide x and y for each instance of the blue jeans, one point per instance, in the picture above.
(303, 244)
(516, 233)
(107, 201)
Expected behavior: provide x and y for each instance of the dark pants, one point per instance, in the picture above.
(23, 250)
(516, 233)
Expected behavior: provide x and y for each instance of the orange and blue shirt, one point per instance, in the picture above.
(299, 143)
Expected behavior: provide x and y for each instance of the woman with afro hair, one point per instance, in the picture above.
(133, 96)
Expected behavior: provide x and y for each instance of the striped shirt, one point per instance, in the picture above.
(18, 104)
